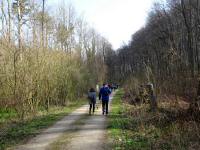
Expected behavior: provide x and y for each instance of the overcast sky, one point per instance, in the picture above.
(117, 20)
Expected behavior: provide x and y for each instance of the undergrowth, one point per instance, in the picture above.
(136, 128)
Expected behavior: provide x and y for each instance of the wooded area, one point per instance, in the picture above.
(46, 58)
(51, 57)
(166, 51)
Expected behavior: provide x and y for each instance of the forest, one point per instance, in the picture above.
(50, 58)
(165, 54)
(165, 51)
(47, 58)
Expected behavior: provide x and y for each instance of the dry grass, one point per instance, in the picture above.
(171, 127)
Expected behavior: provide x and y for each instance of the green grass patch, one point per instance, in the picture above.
(117, 121)
(21, 131)
(6, 114)
(126, 131)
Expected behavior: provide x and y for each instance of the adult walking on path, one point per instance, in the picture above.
(104, 96)
(92, 100)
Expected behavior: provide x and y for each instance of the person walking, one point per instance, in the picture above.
(92, 100)
(104, 96)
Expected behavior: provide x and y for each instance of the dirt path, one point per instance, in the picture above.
(76, 131)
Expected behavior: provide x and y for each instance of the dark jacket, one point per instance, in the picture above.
(104, 94)
(92, 97)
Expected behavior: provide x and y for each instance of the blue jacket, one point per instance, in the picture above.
(104, 94)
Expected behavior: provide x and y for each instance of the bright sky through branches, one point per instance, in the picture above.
(117, 20)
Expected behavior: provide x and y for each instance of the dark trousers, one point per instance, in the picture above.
(105, 107)
(92, 107)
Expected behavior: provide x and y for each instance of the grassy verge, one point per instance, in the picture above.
(135, 128)
(117, 121)
(21, 131)
(6, 114)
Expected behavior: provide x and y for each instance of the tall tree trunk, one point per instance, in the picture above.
(9, 21)
(2, 17)
(19, 17)
(189, 35)
(43, 4)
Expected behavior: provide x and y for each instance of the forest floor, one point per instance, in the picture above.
(135, 127)
(76, 131)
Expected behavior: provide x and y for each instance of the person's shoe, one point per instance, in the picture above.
(103, 113)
